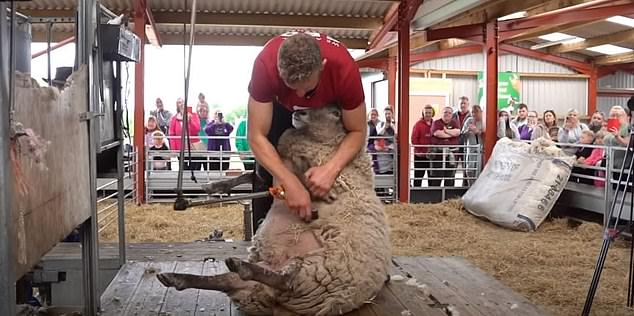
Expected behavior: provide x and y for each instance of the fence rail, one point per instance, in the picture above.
(107, 210)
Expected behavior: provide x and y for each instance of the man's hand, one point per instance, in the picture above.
(320, 180)
(297, 198)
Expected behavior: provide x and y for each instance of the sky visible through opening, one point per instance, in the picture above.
(222, 73)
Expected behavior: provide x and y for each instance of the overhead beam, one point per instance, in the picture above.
(270, 20)
(522, 35)
(498, 8)
(614, 59)
(457, 51)
(623, 36)
(151, 30)
(568, 16)
(610, 69)
(578, 66)
(247, 40)
(388, 24)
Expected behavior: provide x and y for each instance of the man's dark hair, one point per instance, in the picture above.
(298, 57)
(523, 105)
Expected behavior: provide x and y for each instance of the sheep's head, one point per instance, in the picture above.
(320, 121)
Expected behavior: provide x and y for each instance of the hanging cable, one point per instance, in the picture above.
(185, 128)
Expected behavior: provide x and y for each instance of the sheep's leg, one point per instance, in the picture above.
(249, 271)
(226, 282)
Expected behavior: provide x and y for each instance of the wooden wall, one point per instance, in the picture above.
(58, 197)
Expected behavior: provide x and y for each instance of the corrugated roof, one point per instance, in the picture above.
(206, 29)
(247, 16)
(350, 8)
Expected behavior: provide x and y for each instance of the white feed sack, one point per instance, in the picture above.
(520, 184)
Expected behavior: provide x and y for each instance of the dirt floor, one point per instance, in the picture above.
(552, 267)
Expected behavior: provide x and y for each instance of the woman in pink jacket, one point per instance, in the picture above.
(176, 127)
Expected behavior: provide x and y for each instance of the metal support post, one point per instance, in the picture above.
(491, 108)
(120, 169)
(86, 24)
(592, 91)
(7, 282)
(403, 100)
(139, 76)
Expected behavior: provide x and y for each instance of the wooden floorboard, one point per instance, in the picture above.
(183, 302)
(452, 285)
(117, 296)
(493, 290)
(155, 251)
(150, 293)
(213, 302)
(439, 292)
(416, 300)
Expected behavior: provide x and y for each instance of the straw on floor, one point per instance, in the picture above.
(552, 267)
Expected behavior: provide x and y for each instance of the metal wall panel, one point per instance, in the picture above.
(605, 103)
(617, 80)
(555, 94)
(517, 63)
(463, 86)
(475, 62)
(471, 62)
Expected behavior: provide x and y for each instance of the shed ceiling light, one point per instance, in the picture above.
(609, 49)
(515, 15)
(621, 20)
(561, 37)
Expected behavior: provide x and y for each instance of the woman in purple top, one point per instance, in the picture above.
(219, 128)
(526, 130)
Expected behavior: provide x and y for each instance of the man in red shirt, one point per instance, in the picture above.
(445, 131)
(300, 70)
(421, 135)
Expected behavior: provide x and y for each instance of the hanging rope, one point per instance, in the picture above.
(185, 130)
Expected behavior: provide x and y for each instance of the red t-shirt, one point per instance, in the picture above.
(421, 135)
(439, 124)
(339, 83)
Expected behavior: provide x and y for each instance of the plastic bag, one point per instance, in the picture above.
(520, 184)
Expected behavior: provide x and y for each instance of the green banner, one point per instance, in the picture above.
(509, 87)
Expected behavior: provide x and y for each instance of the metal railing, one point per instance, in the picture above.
(214, 165)
(443, 167)
(107, 210)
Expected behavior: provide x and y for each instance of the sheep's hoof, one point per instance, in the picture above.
(331, 197)
(236, 265)
(172, 280)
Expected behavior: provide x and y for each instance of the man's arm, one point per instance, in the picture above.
(260, 118)
(321, 178)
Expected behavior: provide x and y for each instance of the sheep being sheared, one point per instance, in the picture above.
(329, 266)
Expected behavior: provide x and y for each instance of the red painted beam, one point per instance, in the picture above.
(139, 102)
(156, 40)
(391, 81)
(472, 32)
(593, 85)
(456, 51)
(610, 69)
(578, 66)
(388, 25)
(491, 108)
(54, 47)
(576, 15)
(406, 10)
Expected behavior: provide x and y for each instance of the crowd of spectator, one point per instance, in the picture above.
(163, 132)
(437, 154)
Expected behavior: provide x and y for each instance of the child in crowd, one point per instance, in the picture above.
(160, 162)
(151, 127)
(582, 153)
(596, 158)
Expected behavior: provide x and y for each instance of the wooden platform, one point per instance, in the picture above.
(452, 287)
